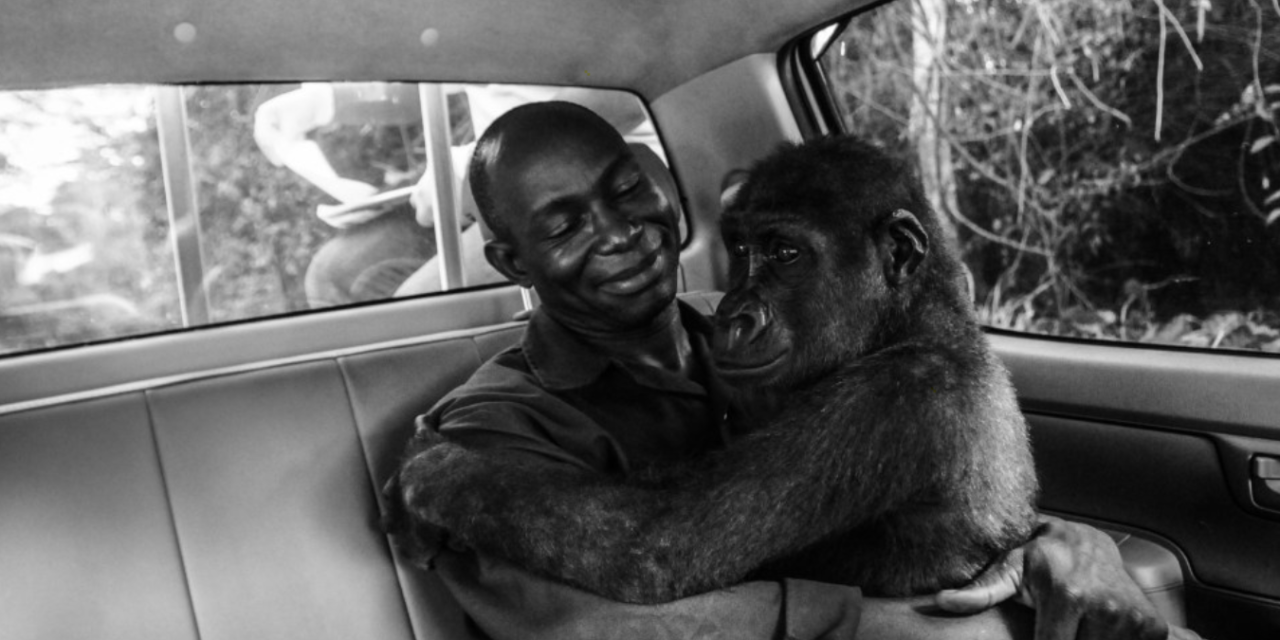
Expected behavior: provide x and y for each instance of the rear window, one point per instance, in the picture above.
(127, 210)
(1110, 170)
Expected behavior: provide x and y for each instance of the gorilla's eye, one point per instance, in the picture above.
(785, 253)
(739, 250)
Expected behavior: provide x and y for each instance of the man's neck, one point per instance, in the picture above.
(661, 343)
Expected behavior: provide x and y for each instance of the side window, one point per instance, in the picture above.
(1109, 170)
(127, 210)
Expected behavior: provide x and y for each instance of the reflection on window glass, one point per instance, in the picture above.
(1110, 170)
(305, 196)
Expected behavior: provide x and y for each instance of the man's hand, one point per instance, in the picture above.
(1074, 578)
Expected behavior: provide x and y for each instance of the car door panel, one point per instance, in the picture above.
(1167, 482)
(1162, 443)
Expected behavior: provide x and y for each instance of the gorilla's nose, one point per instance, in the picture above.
(736, 332)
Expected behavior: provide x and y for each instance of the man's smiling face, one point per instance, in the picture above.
(588, 228)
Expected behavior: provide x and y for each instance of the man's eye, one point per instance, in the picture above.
(785, 253)
(562, 226)
(628, 186)
(627, 181)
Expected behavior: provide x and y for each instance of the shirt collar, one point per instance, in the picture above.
(561, 360)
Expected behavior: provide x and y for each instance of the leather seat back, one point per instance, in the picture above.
(229, 507)
(233, 506)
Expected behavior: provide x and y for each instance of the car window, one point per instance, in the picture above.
(127, 210)
(1109, 170)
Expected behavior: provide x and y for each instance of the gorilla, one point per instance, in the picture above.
(886, 449)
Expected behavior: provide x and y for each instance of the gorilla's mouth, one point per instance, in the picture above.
(737, 369)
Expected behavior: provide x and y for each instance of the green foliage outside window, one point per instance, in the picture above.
(1110, 166)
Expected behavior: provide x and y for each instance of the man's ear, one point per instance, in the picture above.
(903, 245)
(502, 255)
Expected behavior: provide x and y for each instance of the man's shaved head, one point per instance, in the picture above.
(520, 131)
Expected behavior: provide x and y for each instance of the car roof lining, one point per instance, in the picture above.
(648, 46)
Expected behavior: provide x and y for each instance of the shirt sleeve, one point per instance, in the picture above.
(503, 410)
(498, 426)
(509, 603)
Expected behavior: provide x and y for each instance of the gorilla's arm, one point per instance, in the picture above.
(824, 466)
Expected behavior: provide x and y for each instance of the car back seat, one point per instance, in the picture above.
(228, 507)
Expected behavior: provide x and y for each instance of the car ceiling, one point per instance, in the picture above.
(648, 46)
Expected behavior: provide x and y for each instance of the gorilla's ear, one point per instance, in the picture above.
(903, 245)
(502, 255)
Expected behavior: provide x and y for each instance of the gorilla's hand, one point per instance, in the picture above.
(1074, 578)
(406, 516)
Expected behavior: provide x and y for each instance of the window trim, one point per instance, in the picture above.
(181, 202)
(65, 371)
(804, 81)
(446, 201)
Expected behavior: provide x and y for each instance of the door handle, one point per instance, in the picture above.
(1266, 481)
(1251, 467)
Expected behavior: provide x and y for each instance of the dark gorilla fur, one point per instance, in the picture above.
(894, 456)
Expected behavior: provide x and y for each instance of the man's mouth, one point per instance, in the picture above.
(636, 278)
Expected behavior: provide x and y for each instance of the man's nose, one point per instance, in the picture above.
(616, 231)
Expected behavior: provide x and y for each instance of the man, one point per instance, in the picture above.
(613, 374)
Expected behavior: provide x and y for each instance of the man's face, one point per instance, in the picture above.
(593, 234)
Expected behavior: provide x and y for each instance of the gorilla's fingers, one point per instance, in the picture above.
(429, 479)
(425, 438)
(418, 540)
(1182, 633)
(1001, 581)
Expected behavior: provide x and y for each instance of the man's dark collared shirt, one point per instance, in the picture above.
(556, 397)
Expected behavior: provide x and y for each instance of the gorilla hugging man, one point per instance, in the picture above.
(629, 471)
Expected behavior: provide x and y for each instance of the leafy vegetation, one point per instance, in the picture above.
(1110, 166)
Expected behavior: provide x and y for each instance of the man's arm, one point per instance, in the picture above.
(509, 603)
(512, 604)
(1045, 574)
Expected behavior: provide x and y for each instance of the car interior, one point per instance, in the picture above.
(222, 481)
